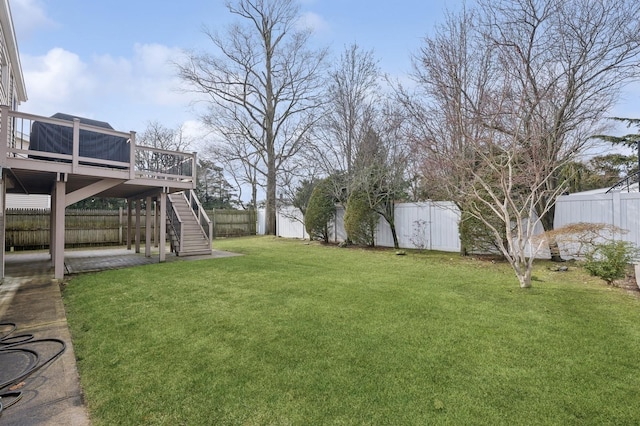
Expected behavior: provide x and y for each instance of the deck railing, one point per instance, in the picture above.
(70, 146)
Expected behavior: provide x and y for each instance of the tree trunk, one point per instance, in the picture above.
(547, 225)
(254, 195)
(270, 212)
(389, 214)
(394, 234)
(525, 278)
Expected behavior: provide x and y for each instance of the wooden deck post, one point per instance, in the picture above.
(76, 145)
(156, 222)
(132, 155)
(58, 243)
(147, 229)
(120, 225)
(138, 211)
(52, 224)
(163, 225)
(129, 222)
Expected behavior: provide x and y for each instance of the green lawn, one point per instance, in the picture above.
(304, 334)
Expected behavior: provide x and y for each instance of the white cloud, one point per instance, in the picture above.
(29, 16)
(197, 135)
(156, 76)
(313, 21)
(125, 91)
(57, 78)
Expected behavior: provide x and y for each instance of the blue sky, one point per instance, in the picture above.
(111, 60)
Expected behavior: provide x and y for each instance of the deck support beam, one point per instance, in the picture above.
(58, 224)
(163, 226)
(147, 229)
(129, 222)
(138, 211)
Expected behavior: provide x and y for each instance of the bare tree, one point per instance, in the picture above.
(457, 118)
(159, 136)
(162, 138)
(513, 91)
(263, 87)
(453, 74)
(511, 188)
(565, 63)
(352, 96)
(241, 162)
(381, 164)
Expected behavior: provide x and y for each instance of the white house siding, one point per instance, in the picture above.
(33, 201)
(12, 90)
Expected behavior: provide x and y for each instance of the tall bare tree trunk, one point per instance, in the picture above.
(270, 228)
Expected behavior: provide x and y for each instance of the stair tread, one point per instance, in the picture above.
(195, 239)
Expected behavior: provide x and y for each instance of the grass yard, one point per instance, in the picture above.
(304, 334)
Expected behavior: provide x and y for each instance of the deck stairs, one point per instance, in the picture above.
(188, 226)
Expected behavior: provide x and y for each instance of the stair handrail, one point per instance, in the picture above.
(625, 182)
(203, 219)
(175, 221)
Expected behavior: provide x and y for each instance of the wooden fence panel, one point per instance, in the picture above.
(233, 223)
(29, 229)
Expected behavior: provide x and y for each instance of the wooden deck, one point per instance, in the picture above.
(31, 171)
(69, 172)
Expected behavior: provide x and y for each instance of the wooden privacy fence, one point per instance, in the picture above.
(233, 223)
(29, 229)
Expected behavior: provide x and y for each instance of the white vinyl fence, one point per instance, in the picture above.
(434, 225)
(428, 225)
(620, 209)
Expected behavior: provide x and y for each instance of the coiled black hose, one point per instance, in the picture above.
(23, 344)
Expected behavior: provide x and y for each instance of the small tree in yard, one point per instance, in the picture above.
(360, 220)
(610, 260)
(302, 195)
(510, 92)
(320, 211)
(604, 257)
(475, 236)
